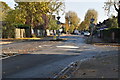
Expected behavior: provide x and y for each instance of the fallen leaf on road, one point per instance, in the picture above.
(64, 76)
(84, 74)
(116, 70)
(92, 70)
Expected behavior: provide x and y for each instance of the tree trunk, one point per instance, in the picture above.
(28, 23)
(119, 17)
(118, 10)
(45, 24)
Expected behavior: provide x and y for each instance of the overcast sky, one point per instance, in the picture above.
(80, 7)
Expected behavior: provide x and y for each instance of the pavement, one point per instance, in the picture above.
(100, 42)
(98, 67)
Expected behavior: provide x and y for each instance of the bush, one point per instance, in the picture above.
(107, 34)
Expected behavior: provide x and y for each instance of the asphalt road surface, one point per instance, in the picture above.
(48, 58)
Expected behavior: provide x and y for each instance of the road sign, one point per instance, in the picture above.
(58, 22)
(58, 17)
(92, 20)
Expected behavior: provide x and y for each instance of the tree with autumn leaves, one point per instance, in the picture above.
(91, 13)
(72, 21)
(33, 14)
(5, 9)
(36, 13)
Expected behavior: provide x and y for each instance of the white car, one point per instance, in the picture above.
(76, 32)
(86, 34)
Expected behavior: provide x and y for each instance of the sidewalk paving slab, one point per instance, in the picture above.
(100, 67)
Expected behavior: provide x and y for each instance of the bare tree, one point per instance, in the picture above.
(116, 4)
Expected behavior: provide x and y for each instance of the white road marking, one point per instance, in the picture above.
(39, 46)
(74, 47)
(46, 45)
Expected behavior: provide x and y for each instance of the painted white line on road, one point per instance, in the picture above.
(78, 49)
(39, 46)
(46, 45)
(74, 47)
(69, 49)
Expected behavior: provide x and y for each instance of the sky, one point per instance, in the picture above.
(80, 7)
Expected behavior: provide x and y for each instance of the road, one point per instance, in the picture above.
(45, 59)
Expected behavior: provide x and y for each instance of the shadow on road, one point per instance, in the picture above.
(19, 64)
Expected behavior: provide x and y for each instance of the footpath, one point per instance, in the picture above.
(100, 42)
(101, 66)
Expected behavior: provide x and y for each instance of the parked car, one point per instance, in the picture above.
(76, 32)
(86, 33)
(82, 33)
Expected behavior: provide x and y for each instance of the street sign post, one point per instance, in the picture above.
(91, 30)
(58, 22)
(92, 20)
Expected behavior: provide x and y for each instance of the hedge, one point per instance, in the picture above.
(107, 34)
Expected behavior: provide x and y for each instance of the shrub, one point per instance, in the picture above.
(107, 34)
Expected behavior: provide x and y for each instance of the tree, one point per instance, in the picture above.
(111, 22)
(67, 27)
(5, 14)
(36, 13)
(91, 13)
(72, 20)
(83, 26)
(32, 12)
(53, 24)
(116, 4)
(72, 27)
(4, 10)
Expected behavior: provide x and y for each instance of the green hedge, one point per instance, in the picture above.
(107, 34)
(21, 26)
